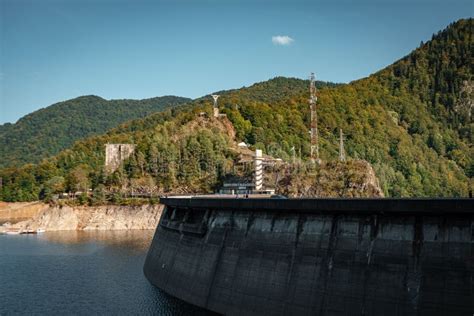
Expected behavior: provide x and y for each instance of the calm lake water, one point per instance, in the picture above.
(81, 273)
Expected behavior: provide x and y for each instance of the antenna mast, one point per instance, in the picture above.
(314, 121)
(342, 153)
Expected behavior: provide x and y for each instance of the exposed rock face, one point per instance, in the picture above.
(15, 212)
(354, 178)
(110, 217)
(125, 217)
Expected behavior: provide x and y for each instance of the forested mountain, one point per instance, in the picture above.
(411, 121)
(46, 132)
(277, 89)
(438, 74)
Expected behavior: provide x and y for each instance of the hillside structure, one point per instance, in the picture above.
(258, 170)
(215, 108)
(115, 154)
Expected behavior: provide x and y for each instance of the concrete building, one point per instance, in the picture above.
(115, 154)
(237, 188)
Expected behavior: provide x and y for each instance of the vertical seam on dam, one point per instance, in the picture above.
(326, 267)
(299, 230)
(216, 264)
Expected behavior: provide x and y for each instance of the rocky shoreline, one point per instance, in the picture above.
(108, 217)
(20, 211)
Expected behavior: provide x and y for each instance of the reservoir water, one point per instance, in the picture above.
(81, 273)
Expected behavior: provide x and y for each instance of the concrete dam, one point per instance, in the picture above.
(316, 256)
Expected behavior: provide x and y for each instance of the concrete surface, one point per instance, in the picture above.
(317, 256)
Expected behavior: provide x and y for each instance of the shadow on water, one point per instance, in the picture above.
(175, 306)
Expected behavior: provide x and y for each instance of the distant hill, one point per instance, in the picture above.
(277, 89)
(412, 121)
(46, 132)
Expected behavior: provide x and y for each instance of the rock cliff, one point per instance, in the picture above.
(354, 178)
(15, 212)
(109, 217)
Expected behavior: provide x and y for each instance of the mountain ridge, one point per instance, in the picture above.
(46, 131)
(398, 119)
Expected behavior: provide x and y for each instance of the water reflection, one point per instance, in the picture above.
(136, 240)
(87, 272)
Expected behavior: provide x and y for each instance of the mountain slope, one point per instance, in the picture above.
(47, 131)
(437, 73)
(401, 122)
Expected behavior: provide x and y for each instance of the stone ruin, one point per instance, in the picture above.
(115, 154)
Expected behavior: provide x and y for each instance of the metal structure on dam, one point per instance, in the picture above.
(317, 256)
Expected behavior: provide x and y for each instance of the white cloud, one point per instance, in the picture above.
(282, 40)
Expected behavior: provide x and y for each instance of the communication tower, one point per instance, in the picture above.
(314, 121)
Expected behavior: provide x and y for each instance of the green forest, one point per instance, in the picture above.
(46, 132)
(411, 121)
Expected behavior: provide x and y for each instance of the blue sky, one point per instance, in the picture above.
(52, 51)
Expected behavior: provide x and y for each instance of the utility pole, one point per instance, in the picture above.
(314, 122)
(342, 153)
(293, 154)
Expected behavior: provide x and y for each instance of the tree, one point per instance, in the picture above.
(98, 195)
(53, 186)
(78, 178)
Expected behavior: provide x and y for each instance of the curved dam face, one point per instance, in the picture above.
(317, 256)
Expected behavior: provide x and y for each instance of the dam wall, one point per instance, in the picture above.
(317, 256)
